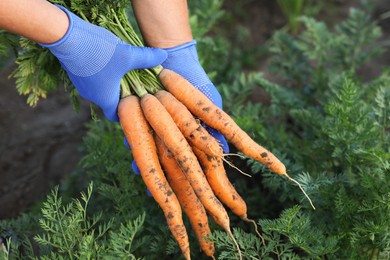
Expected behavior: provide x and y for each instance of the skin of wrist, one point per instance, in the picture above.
(37, 20)
(163, 23)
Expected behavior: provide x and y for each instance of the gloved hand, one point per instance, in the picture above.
(96, 60)
(183, 59)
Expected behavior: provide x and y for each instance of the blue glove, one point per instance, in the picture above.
(183, 59)
(96, 60)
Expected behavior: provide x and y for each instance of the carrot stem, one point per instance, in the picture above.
(135, 82)
(157, 69)
(125, 88)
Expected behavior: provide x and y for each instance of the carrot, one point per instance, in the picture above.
(202, 107)
(166, 129)
(191, 128)
(216, 176)
(139, 135)
(213, 116)
(164, 126)
(188, 200)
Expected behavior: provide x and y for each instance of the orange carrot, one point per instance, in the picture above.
(164, 126)
(201, 107)
(139, 135)
(188, 200)
(191, 128)
(216, 176)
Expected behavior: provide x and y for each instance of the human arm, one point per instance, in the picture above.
(163, 23)
(37, 20)
(94, 58)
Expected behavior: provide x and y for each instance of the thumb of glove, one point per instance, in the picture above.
(142, 57)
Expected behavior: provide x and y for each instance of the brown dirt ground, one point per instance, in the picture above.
(39, 146)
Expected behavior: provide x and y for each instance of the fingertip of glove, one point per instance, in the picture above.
(126, 143)
(148, 192)
(112, 116)
(225, 146)
(159, 55)
(162, 54)
(135, 168)
(152, 57)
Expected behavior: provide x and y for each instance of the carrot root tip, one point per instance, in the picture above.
(235, 167)
(245, 218)
(235, 243)
(300, 187)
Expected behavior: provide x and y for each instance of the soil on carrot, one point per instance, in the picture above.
(40, 146)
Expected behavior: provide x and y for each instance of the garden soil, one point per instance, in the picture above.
(40, 146)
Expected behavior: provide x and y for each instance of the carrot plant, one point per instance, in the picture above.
(334, 139)
(292, 9)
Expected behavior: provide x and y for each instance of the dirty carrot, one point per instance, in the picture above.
(213, 116)
(191, 128)
(139, 135)
(188, 200)
(164, 126)
(216, 176)
(202, 107)
(169, 133)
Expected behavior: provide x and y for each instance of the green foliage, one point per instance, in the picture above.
(122, 243)
(249, 244)
(292, 9)
(292, 224)
(68, 232)
(8, 44)
(337, 136)
(37, 73)
(117, 220)
(329, 124)
(297, 226)
(203, 16)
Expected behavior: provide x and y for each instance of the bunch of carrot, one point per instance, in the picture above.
(180, 162)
